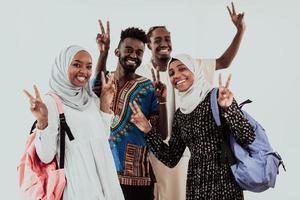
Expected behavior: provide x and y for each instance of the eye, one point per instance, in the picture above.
(128, 50)
(171, 73)
(140, 53)
(89, 67)
(76, 65)
(157, 41)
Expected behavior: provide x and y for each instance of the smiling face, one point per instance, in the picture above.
(130, 54)
(181, 77)
(160, 44)
(80, 69)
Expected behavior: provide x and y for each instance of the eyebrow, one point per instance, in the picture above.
(129, 47)
(82, 62)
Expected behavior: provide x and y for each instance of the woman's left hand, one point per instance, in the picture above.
(107, 93)
(225, 97)
(138, 118)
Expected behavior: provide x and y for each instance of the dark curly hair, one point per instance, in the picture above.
(134, 33)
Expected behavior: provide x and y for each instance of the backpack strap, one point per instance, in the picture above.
(227, 155)
(64, 129)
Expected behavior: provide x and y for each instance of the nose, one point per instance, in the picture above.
(84, 70)
(164, 43)
(133, 55)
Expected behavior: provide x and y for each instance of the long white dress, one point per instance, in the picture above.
(89, 166)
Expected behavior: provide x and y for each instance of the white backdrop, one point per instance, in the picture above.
(265, 70)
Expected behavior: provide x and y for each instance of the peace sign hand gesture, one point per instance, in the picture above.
(237, 19)
(225, 95)
(103, 38)
(38, 108)
(107, 93)
(139, 119)
(160, 88)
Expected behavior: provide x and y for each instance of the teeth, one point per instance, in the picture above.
(180, 82)
(164, 51)
(131, 62)
(80, 78)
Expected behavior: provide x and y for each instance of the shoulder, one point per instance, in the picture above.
(144, 69)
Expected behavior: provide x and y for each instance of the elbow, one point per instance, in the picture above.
(222, 63)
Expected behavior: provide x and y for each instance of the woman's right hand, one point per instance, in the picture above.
(139, 119)
(38, 108)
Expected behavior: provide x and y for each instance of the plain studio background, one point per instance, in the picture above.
(265, 70)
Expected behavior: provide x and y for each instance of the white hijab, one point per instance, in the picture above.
(78, 98)
(187, 101)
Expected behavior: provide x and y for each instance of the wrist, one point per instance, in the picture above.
(148, 128)
(105, 51)
(162, 100)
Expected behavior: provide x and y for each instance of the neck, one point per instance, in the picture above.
(123, 76)
(161, 64)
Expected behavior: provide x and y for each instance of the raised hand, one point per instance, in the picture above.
(107, 93)
(103, 38)
(237, 19)
(225, 95)
(138, 118)
(38, 108)
(160, 88)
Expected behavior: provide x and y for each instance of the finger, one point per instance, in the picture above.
(28, 95)
(37, 93)
(103, 79)
(134, 111)
(228, 81)
(220, 80)
(136, 106)
(230, 13)
(233, 9)
(110, 79)
(153, 75)
(158, 75)
(101, 26)
(107, 28)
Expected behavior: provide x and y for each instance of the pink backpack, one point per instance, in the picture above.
(40, 181)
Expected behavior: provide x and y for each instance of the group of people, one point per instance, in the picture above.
(132, 126)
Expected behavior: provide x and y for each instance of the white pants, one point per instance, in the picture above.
(171, 182)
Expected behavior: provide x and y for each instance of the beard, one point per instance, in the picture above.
(129, 68)
(163, 57)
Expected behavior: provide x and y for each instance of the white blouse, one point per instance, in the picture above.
(89, 166)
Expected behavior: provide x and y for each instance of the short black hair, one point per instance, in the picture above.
(133, 32)
(153, 28)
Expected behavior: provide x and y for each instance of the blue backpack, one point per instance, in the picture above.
(255, 168)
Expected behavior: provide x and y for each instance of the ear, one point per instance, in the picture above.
(117, 52)
(148, 45)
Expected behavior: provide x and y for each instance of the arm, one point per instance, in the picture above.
(238, 20)
(46, 130)
(168, 154)
(233, 116)
(161, 93)
(238, 125)
(103, 42)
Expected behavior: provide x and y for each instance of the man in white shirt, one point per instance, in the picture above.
(171, 183)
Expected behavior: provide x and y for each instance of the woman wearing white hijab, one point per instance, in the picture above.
(89, 166)
(194, 127)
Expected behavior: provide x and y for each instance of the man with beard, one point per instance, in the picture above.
(127, 142)
(171, 183)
